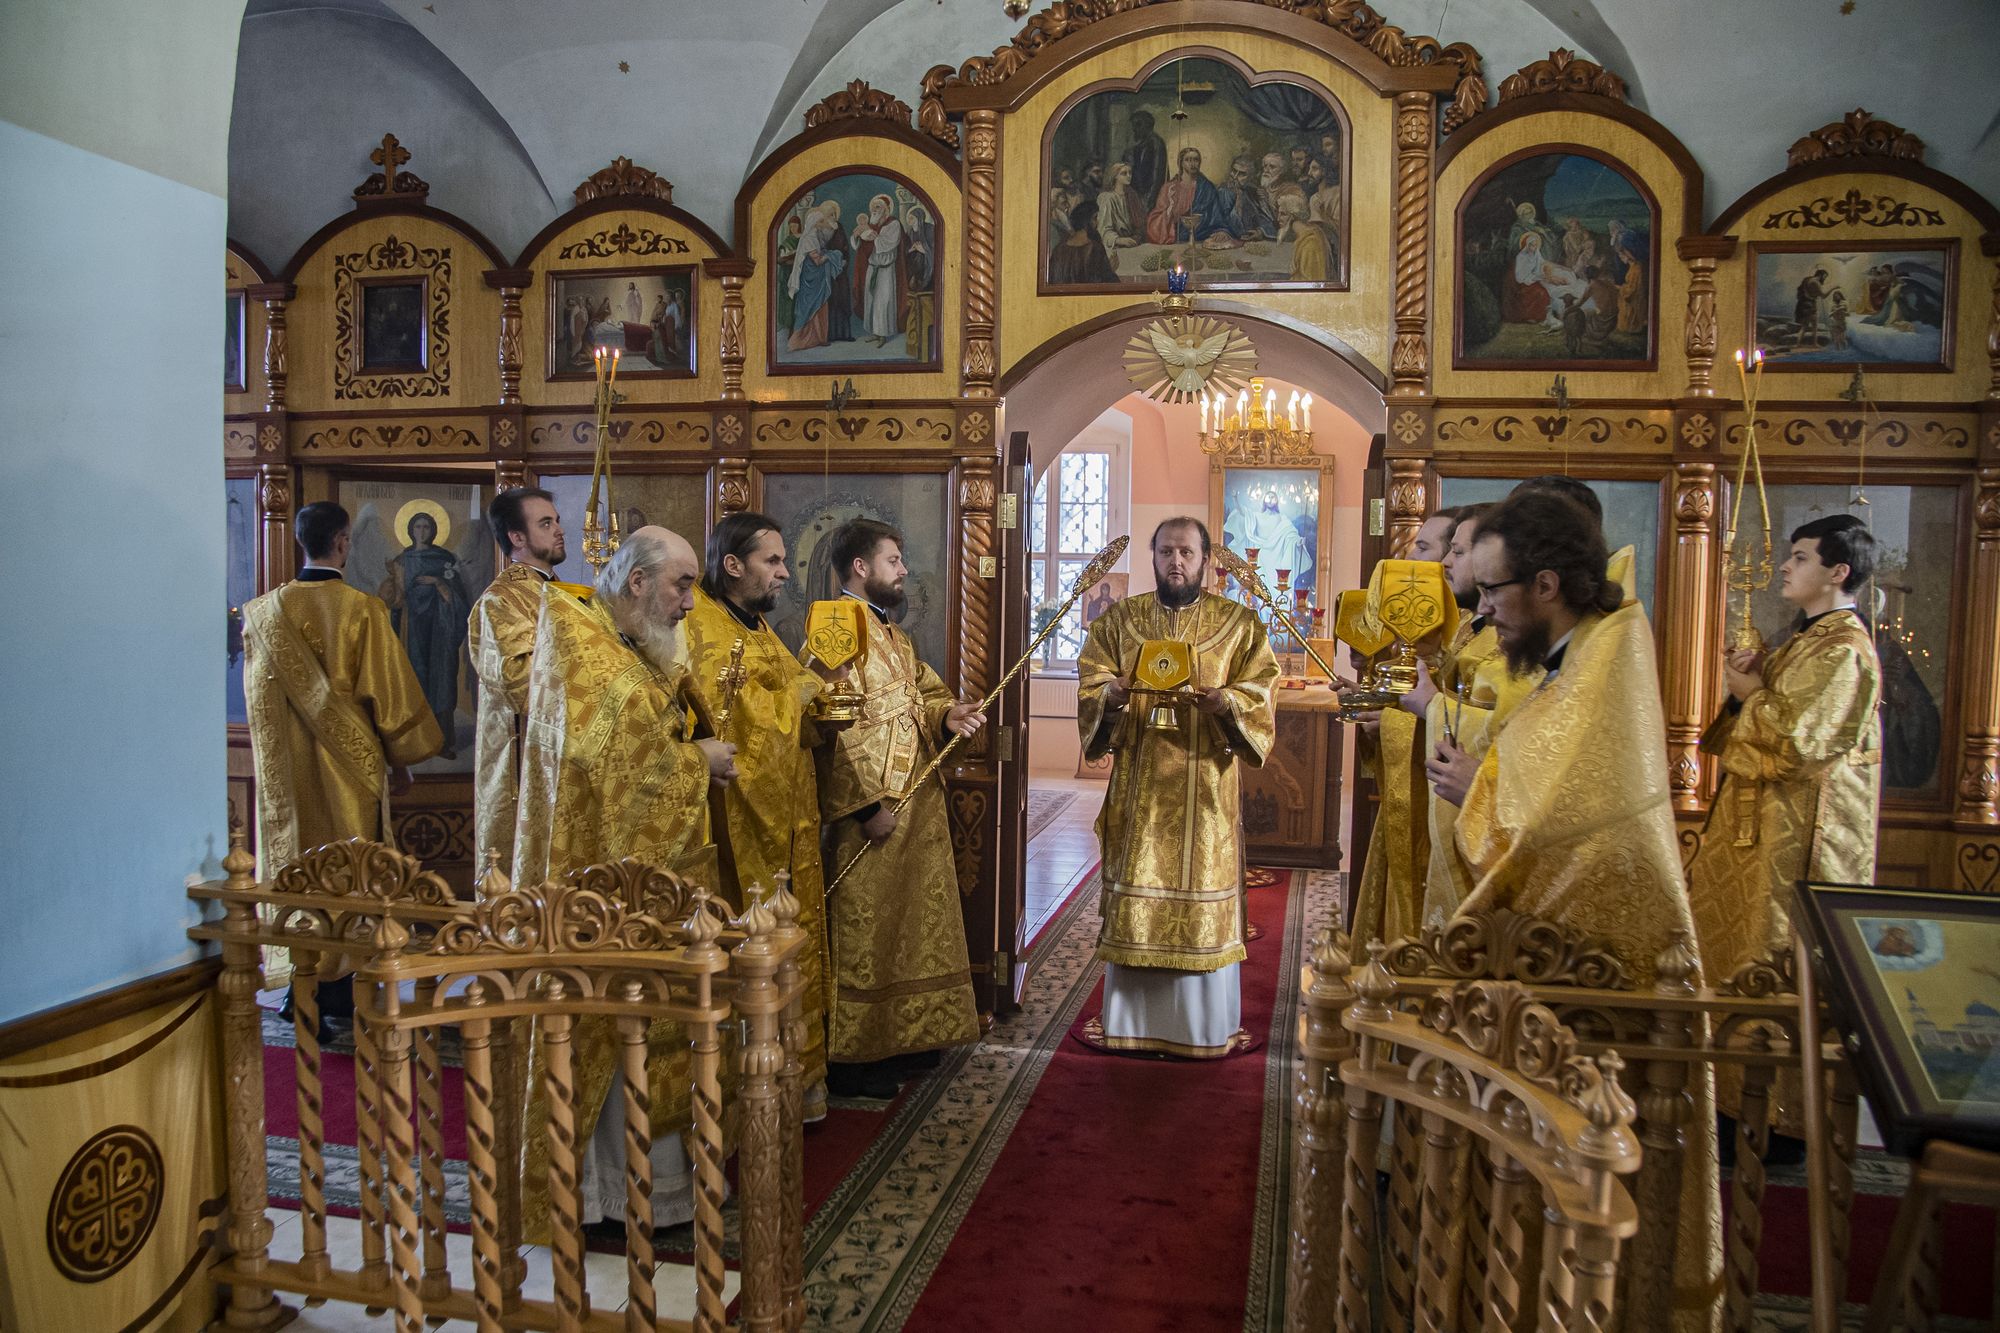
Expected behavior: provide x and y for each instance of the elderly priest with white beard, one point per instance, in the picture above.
(1171, 827)
(607, 771)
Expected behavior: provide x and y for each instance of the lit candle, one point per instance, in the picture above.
(1270, 403)
(1307, 403)
(1204, 416)
(1292, 411)
(1242, 404)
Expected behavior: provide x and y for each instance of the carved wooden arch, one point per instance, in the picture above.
(750, 247)
(249, 259)
(627, 203)
(1419, 64)
(1624, 169)
(1339, 283)
(1693, 184)
(389, 209)
(1978, 205)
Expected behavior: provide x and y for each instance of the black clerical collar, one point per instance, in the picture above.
(1478, 624)
(547, 576)
(1554, 661)
(319, 574)
(747, 619)
(880, 614)
(1810, 621)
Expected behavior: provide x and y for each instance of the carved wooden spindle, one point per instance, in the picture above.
(1979, 772)
(1665, 1107)
(1844, 1128)
(1477, 1170)
(510, 283)
(1701, 254)
(1319, 1125)
(311, 1093)
(430, 1140)
(274, 516)
(1746, 1210)
(510, 1094)
(759, 1166)
(401, 1148)
(978, 365)
(1593, 1267)
(1507, 1256)
(789, 938)
(732, 345)
(1691, 630)
(249, 1230)
(1405, 1218)
(272, 296)
(638, 1113)
(481, 1166)
(368, 1122)
(1358, 1223)
(1442, 1197)
(1557, 1301)
(565, 1171)
(1409, 503)
(1416, 133)
(701, 931)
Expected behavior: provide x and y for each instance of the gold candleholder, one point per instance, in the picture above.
(1745, 574)
(601, 539)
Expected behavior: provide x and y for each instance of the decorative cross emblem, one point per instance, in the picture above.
(389, 156)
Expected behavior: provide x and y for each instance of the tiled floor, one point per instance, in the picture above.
(1064, 852)
(604, 1275)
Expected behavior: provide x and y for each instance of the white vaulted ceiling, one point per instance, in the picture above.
(527, 93)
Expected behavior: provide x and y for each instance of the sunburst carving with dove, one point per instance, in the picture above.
(1183, 357)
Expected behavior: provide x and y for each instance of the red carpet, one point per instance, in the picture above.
(1124, 1197)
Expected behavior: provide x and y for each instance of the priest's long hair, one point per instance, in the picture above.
(1542, 529)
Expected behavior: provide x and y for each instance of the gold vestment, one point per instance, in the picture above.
(770, 813)
(1477, 664)
(1171, 825)
(607, 772)
(501, 639)
(1801, 788)
(902, 977)
(333, 704)
(1391, 891)
(1569, 819)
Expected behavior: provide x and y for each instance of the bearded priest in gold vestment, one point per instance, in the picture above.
(336, 713)
(501, 639)
(902, 976)
(1171, 825)
(1801, 748)
(608, 771)
(1567, 816)
(769, 816)
(1392, 749)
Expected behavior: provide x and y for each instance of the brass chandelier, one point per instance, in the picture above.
(1255, 432)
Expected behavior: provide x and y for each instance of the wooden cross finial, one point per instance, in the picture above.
(389, 156)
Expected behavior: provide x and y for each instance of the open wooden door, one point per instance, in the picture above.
(1011, 718)
(1374, 545)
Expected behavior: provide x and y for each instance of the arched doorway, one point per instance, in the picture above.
(1070, 412)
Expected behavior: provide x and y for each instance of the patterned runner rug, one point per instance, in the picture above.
(1043, 807)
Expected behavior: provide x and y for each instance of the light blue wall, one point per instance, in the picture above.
(111, 567)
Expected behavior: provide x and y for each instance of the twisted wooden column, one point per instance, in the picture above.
(1691, 630)
(565, 1170)
(1440, 1258)
(368, 1122)
(1979, 771)
(1746, 1208)
(760, 1166)
(1701, 253)
(1409, 503)
(978, 571)
(430, 1125)
(1359, 1228)
(274, 515)
(636, 1105)
(250, 1307)
(1416, 133)
(311, 1091)
(510, 282)
(789, 939)
(1319, 1125)
(701, 931)
(1509, 1264)
(1664, 1107)
(978, 365)
(481, 1167)
(401, 1143)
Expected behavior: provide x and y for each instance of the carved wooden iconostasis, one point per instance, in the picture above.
(400, 363)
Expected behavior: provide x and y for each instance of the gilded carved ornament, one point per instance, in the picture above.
(858, 101)
(1563, 72)
(1503, 944)
(1857, 134)
(390, 182)
(624, 180)
(1351, 18)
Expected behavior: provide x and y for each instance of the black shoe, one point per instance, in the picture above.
(873, 1081)
(917, 1062)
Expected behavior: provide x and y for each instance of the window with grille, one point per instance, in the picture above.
(1078, 508)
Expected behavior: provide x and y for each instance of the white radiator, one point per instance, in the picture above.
(1052, 696)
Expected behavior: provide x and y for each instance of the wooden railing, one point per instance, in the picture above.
(1664, 1035)
(621, 942)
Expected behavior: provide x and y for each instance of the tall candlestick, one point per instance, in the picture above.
(1292, 411)
(1307, 404)
(1204, 416)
